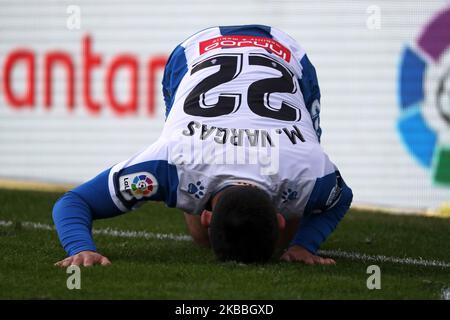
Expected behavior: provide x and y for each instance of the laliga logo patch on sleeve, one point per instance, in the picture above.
(138, 185)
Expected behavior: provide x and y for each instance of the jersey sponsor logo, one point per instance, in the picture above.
(270, 45)
(138, 185)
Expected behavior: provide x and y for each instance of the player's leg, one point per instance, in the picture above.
(198, 232)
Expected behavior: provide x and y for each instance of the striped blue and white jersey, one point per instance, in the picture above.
(242, 107)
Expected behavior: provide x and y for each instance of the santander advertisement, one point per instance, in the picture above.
(91, 60)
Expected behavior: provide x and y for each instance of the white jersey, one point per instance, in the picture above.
(242, 108)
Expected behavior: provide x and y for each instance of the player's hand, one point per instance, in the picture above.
(84, 258)
(300, 254)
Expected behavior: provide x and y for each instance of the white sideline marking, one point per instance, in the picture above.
(107, 231)
(380, 258)
(141, 234)
(181, 237)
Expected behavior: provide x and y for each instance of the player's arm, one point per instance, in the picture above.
(113, 192)
(315, 228)
(197, 227)
(73, 215)
(309, 86)
(74, 212)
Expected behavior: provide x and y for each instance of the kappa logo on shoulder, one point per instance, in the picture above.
(138, 185)
(334, 197)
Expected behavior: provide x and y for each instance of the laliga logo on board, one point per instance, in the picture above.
(424, 98)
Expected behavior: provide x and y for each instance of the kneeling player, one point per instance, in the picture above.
(239, 153)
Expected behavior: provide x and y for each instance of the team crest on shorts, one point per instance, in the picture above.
(138, 185)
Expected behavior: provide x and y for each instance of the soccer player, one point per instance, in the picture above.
(239, 154)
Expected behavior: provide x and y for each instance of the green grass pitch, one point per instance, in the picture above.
(167, 269)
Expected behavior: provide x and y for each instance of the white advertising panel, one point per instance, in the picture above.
(80, 85)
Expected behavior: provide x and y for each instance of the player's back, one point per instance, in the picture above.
(242, 108)
(242, 77)
(241, 103)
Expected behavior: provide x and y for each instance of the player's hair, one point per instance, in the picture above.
(244, 226)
